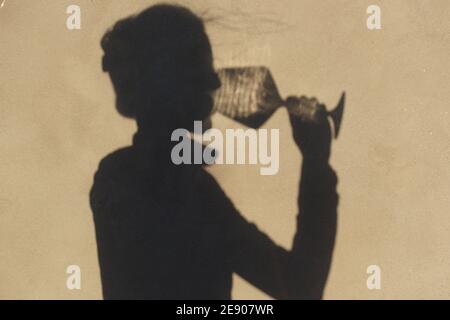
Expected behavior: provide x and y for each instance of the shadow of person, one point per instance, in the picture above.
(168, 231)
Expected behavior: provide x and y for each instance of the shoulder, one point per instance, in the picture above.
(116, 161)
(207, 183)
(110, 179)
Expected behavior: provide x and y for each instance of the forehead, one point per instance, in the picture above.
(199, 51)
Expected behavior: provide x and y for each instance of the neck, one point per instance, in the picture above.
(152, 140)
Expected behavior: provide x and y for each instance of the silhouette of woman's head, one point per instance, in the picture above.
(161, 67)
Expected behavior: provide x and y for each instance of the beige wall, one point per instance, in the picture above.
(57, 120)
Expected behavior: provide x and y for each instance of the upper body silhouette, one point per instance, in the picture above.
(168, 231)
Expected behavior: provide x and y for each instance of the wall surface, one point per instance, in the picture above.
(58, 120)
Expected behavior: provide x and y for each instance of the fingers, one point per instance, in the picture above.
(292, 102)
(303, 101)
(306, 109)
(322, 111)
(313, 102)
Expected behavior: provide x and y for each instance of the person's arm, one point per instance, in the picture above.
(300, 273)
(310, 257)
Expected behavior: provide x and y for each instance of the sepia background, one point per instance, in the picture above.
(392, 157)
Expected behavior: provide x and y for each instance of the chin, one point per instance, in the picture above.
(207, 124)
(205, 106)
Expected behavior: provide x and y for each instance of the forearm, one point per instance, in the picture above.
(302, 272)
(310, 258)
